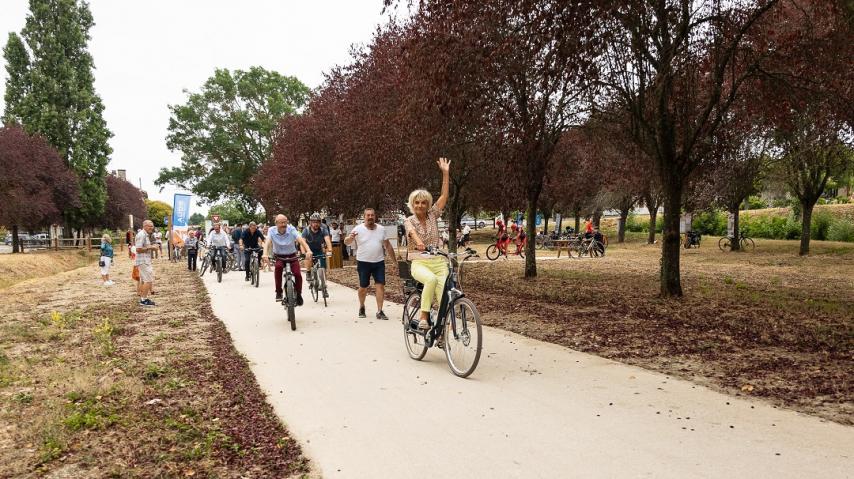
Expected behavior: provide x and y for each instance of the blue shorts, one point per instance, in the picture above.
(366, 270)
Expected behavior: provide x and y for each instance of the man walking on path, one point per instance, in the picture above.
(144, 248)
(284, 239)
(236, 235)
(371, 240)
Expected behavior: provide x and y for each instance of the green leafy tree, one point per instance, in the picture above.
(225, 132)
(50, 91)
(232, 212)
(197, 219)
(157, 210)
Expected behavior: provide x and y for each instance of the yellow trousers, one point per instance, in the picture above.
(432, 274)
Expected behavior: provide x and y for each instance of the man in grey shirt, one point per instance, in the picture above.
(144, 248)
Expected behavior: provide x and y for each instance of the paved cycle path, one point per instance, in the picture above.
(361, 408)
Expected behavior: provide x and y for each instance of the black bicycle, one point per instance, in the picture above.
(289, 300)
(455, 327)
(254, 265)
(317, 280)
(218, 262)
(745, 243)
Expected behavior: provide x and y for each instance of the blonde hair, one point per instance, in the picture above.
(419, 195)
(106, 238)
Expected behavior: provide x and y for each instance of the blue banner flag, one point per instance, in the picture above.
(181, 211)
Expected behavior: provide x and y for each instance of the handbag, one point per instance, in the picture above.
(102, 263)
(135, 273)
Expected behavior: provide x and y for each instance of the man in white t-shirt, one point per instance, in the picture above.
(371, 243)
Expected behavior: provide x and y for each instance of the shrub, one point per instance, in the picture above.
(819, 225)
(772, 227)
(710, 223)
(636, 226)
(841, 230)
(755, 203)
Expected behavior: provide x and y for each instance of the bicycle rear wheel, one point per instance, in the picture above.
(747, 244)
(724, 244)
(492, 252)
(291, 299)
(219, 271)
(416, 346)
(463, 338)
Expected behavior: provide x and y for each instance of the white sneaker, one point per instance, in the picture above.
(109, 283)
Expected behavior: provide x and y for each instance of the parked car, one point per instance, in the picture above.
(22, 237)
(473, 223)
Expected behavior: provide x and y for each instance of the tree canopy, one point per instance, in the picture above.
(50, 91)
(35, 185)
(225, 131)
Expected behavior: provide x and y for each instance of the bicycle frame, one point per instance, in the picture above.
(451, 294)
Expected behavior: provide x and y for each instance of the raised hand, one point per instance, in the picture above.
(444, 164)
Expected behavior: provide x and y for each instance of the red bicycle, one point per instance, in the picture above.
(494, 251)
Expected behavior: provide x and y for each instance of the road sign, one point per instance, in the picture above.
(215, 218)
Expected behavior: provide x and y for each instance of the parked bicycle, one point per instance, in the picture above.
(745, 243)
(691, 240)
(317, 280)
(455, 327)
(591, 247)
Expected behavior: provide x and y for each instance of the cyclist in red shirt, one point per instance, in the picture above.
(502, 238)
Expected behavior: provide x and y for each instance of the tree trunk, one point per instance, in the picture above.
(530, 230)
(806, 225)
(16, 242)
(653, 218)
(671, 284)
(735, 244)
(577, 214)
(597, 217)
(621, 225)
(560, 225)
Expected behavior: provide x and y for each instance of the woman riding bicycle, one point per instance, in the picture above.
(422, 231)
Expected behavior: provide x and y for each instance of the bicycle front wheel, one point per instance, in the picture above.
(416, 346)
(321, 273)
(492, 252)
(204, 266)
(291, 300)
(747, 244)
(463, 338)
(219, 271)
(314, 287)
(724, 244)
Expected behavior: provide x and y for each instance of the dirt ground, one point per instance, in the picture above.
(92, 385)
(767, 324)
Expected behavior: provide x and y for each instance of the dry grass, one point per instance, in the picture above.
(110, 389)
(768, 324)
(15, 268)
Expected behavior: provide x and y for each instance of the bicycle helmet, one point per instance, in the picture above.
(314, 217)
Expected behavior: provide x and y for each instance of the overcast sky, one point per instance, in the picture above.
(147, 52)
